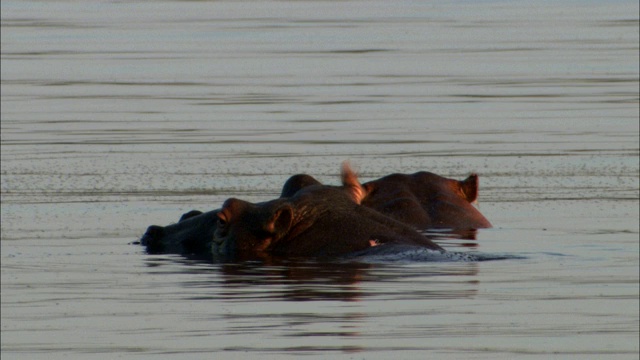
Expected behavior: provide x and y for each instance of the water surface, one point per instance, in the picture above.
(119, 115)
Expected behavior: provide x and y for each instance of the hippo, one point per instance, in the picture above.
(427, 201)
(193, 233)
(422, 200)
(318, 221)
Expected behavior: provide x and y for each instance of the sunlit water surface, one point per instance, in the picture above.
(119, 115)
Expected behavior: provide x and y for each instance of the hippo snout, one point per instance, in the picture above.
(152, 238)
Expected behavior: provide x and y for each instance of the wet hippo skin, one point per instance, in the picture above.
(422, 200)
(426, 200)
(193, 233)
(318, 221)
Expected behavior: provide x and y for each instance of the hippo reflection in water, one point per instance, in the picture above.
(311, 219)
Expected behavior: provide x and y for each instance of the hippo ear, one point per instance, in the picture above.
(469, 187)
(190, 214)
(370, 188)
(296, 183)
(280, 223)
(350, 181)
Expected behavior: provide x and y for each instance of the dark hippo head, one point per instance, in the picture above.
(306, 207)
(191, 235)
(426, 200)
(317, 221)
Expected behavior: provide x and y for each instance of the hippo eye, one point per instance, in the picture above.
(222, 221)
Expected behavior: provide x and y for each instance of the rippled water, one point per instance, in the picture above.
(119, 115)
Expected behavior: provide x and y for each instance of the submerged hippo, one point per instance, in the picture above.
(427, 201)
(193, 233)
(422, 200)
(317, 221)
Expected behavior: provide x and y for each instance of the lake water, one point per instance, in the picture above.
(118, 115)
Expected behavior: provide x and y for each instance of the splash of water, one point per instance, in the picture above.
(408, 253)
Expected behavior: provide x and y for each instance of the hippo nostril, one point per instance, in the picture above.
(155, 230)
(153, 233)
(190, 214)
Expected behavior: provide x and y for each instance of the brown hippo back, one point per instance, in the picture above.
(318, 221)
(426, 200)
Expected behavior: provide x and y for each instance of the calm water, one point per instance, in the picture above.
(119, 115)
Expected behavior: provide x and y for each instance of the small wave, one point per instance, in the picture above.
(408, 253)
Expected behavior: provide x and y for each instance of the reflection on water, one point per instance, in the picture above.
(118, 115)
(313, 281)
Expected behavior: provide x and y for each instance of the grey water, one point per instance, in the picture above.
(121, 114)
